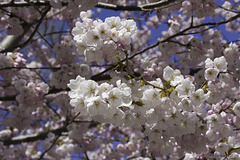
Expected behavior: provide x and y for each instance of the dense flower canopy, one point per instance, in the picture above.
(158, 81)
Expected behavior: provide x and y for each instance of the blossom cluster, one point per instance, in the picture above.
(99, 41)
(214, 67)
(163, 106)
(169, 106)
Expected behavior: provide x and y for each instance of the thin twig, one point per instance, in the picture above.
(30, 68)
(45, 40)
(146, 7)
(31, 36)
(48, 105)
(168, 39)
(50, 147)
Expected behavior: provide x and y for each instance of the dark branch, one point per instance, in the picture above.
(8, 98)
(13, 47)
(33, 137)
(23, 4)
(43, 135)
(168, 39)
(118, 7)
(51, 91)
(145, 7)
(50, 147)
(30, 68)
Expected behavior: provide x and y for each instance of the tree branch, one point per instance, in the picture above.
(51, 91)
(8, 98)
(145, 7)
(30, 68)
(50, 147)
(23, 4)
(42, 135)
(11, 41)
(32, 137)
(167, 40)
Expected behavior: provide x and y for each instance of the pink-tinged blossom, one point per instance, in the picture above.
(214, 120)
(233, 142)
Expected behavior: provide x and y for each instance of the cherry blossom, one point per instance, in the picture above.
(159, 80)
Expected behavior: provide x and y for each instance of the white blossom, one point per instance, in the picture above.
(151, 97)
(186, 104)
(211, 74)
(114, 22)
(96, 106)
(115, 97)
(104, 30)
(198, 97)
(221, 148)
(88, 88)
(74, 86)
(93, 54)
(221, 64)
(172, 75)
(185, 89)
(93, 38)
(209, 63)
(79, 105)
(236, 109)
(130, 26)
